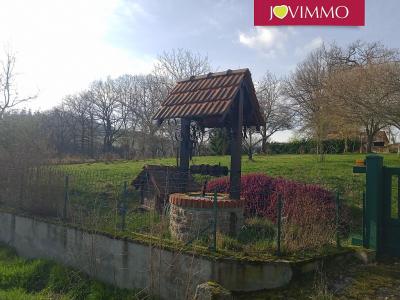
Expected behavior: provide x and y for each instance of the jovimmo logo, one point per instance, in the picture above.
(309, 12)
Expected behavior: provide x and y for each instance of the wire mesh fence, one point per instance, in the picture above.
(279, 217)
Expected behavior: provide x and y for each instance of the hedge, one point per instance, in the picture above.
(308, 146)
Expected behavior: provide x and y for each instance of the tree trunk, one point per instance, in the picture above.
(370, 140)
(264, 140)
(83, 138)
(250, 148)
(108, 138)
(91, 137)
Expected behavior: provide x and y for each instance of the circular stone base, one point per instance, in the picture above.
(191, 214)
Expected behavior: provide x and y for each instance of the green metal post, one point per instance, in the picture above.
(279, 216)
(398, 196)
(373, 201)
(66, 197)
(364, 220)
(337, 219)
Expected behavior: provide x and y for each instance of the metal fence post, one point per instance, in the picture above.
(398, 196)
(123, 207)
(364, 220)
(337, 219)
(66, 197)
(279, 217)
(214, 227)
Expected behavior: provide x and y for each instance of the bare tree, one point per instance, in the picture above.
(77, 106)
(277, 113)
(179, 64)
(127, 87)
(360, 53)
(10, 97)
(149, 92)
(58, 131)
(318, 91)
(393, 106)
(363, 93)
(306, 92)
(107, 110)
(364, 81)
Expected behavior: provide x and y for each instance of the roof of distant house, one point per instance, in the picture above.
(209, 98)
(379, 136)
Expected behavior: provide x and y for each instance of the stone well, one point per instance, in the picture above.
(190, 214)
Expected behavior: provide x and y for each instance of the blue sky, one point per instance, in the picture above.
(62, 45)
(224, 30)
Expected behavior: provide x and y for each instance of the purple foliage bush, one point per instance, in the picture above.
(309, 211)
(302, 203)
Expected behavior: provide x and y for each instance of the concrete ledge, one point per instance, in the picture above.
(168, 273)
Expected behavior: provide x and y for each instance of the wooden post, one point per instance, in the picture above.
(236, 146)
(184, 156)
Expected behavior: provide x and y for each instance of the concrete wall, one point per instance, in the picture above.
(128, 264)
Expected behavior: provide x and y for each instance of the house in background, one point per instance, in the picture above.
(380, 143)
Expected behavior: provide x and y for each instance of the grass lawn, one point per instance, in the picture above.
(335, 173)
(22, 279)
(97, 189)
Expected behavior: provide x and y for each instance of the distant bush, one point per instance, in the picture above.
(309, 146)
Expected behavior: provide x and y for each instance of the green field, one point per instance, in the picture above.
(39, 279)
(97, 189)
(334, 173)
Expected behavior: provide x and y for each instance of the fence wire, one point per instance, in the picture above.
(279, 217)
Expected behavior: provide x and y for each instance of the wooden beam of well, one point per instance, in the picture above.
(236, 146)
(184, 156)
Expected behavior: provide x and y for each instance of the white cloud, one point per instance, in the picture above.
(266, 40)
(133, 10)
(62, 45)
(307, 48)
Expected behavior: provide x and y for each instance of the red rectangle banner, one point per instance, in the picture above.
(309, 12)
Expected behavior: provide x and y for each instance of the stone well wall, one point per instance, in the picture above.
(190, 215)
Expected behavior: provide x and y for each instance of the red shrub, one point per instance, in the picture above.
(301, 201)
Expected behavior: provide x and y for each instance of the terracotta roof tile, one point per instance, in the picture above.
(209, 95)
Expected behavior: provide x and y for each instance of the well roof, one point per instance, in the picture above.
(209, 98)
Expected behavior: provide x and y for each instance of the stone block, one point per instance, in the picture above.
(212, 291)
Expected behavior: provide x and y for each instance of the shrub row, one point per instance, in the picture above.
(308, 146)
